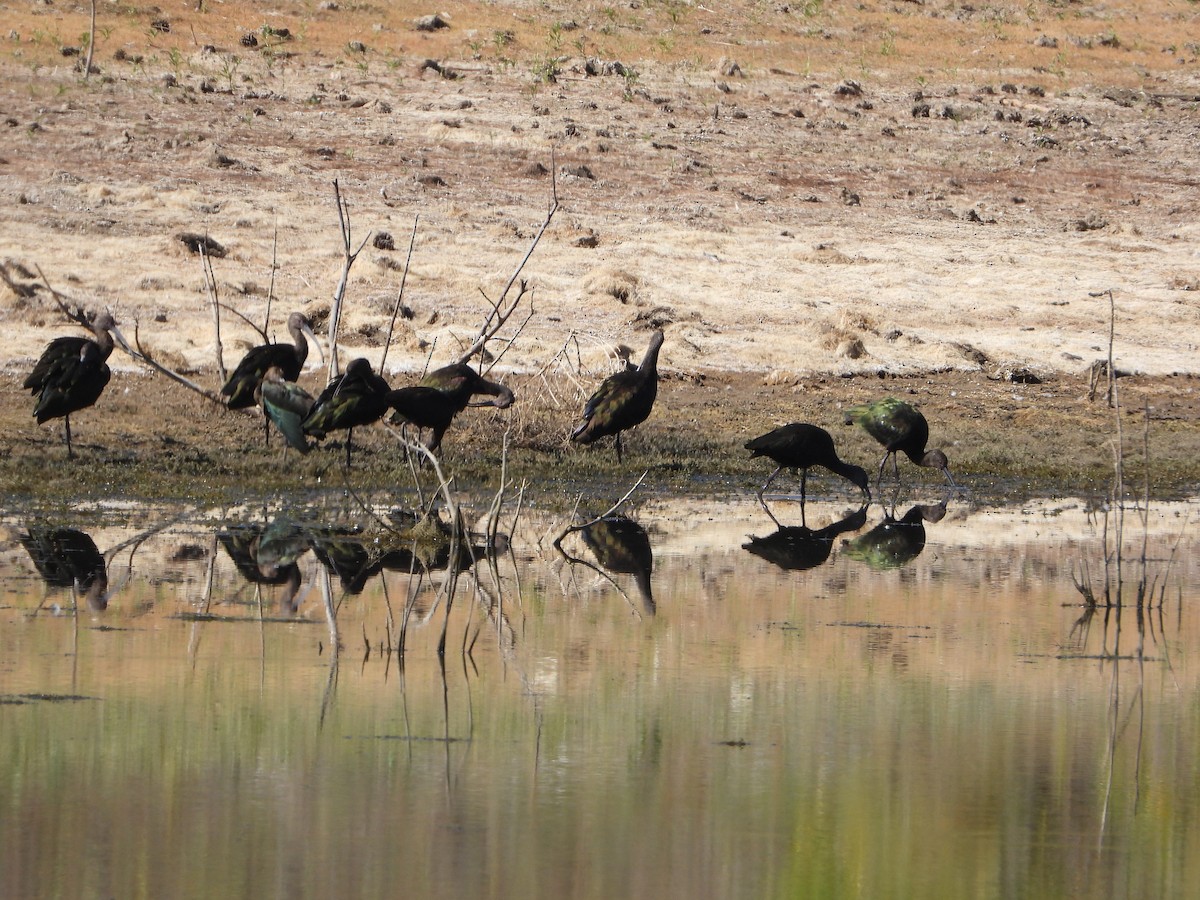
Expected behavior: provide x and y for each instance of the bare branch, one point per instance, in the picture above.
(399, 295)
(210, 283)
(335, 310)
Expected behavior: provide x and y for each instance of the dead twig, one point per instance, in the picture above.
(348, 258)
(399, 295)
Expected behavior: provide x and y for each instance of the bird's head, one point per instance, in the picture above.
(936, 459)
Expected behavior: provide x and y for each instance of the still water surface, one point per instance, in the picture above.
(918, 711)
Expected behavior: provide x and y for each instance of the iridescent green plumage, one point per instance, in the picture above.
(622, 401)
(900, 428)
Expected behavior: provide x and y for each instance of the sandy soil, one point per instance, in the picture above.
(800, 196)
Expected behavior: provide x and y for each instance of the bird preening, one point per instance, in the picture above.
(441, 395)
(802, 446)
(72, 373)
(623, 400)
(900, 428)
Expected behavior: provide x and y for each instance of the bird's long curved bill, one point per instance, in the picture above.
(120, 339)
(312, 339)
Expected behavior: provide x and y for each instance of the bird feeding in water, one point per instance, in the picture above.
(801, 446)
(242, 385)
(623, 400)
(901, 429)
(72, 372)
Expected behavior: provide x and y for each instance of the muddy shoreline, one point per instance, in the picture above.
(1006, 442)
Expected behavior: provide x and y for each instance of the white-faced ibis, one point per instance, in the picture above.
(356, 397)
(71, 373)
(424, 407)
(901, 429)
(623, 400)
(244, 382)
(441, 395)
(801, 446)
(460, 383)
(287, 405)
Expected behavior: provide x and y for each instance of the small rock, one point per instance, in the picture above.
(430, 23)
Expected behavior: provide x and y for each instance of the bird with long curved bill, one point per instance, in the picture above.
(623, 400)
(802, 446)
(900, 428)
(242, 386)
(72, 373)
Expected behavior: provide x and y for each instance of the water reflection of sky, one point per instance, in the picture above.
(863, 705)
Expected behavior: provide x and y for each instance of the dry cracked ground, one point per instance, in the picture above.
(969, 205)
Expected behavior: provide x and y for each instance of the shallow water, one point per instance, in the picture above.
(922, 711)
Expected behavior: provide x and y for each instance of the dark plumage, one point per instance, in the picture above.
(621, 545)
(459, 382)
(66, 557)
(289, 358)
(895, 542)
(357, 397)
(901, 429)
(796, 548)
(287, 405)
(623, 400)
(441, 395)
(424, 407)
(801, 446)
(71, 374)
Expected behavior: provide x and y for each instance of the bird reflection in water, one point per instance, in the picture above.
(68, 558)
(622, 546)
(896, 542)
(796, 548)
(269, 554)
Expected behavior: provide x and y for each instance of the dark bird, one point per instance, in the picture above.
(424, 407)
(896, 542)
(287, 405)
(243, 383)
(459, 382)
(441, 395)
(356, 397)
(67, 557)
(801, 446)
(901, 429)
(623, 400)
(796, 548)
(621, 545)
(72, 372)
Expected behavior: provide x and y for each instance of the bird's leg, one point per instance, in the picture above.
(879, 474)
(762, 490)
(618, 446)
(349, 435)
(896, 465)
(67, 424)
(803, 488)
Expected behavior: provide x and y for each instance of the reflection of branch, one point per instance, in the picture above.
(571, 529)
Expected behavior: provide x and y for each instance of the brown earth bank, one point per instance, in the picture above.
(151, 439)
(819, 203)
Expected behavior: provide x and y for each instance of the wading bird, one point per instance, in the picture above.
(357, 397)
(441, 395)
(71, 373)
(287, 405)
(243, 383)
(901, 429)
(424, 407)
(459, 382)
(801, 446)
(623, 400)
